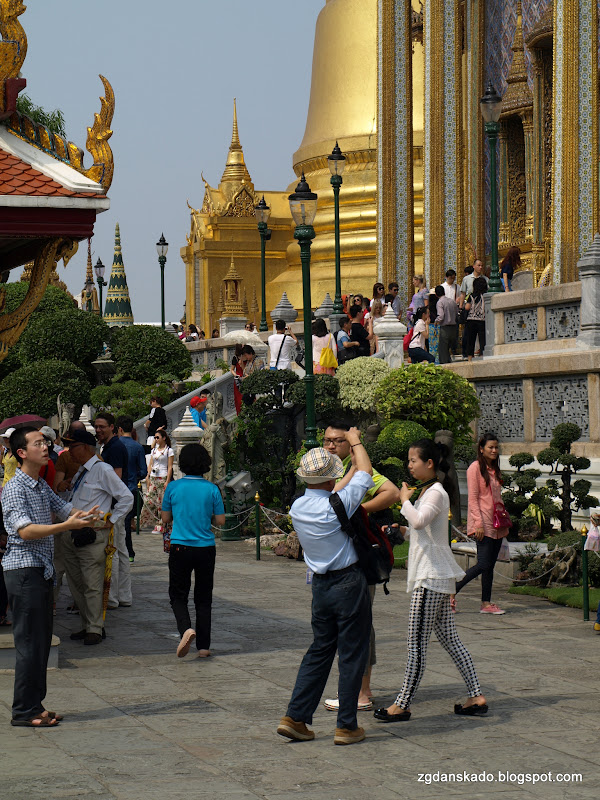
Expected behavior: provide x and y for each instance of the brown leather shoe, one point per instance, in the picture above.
(346, 736)
(297, 731)
(92, 638)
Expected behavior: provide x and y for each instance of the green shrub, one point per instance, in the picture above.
(359, 379)
(396, 438)
(566, 539)
(143, 352)
(436, 397)
(327, 396)
(33, 389)
(75, 336)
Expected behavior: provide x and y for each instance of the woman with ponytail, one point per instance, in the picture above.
(432, 575)
(484, 484)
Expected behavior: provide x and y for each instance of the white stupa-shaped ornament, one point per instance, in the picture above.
(284, 310)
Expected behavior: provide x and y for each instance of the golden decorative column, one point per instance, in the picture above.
(504, 217)
(575, 134)
(527, 120)
(443, 189)
(474, 135)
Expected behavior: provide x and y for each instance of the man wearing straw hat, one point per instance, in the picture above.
(341, 607)
(85, 559)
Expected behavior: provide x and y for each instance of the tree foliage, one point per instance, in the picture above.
(33, 389)
(75, 336)
(359, 379)
(53, 120)
(143, 352)
(54, 298)
(327, 396)
(129, 398)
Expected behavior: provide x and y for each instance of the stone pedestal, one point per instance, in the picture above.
(187, 432)
(490, 326)
(390, 334)
(85, 418)
(589, 275)
(325, 308)
(228, 324)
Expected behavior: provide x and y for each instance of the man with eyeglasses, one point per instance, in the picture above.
(377, 502)
(28, 504)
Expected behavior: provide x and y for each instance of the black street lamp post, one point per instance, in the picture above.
(161, 248)
(263, 212)
(303, 205)
(336, 163)
(99, 270)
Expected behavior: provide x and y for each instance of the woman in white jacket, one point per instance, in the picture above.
(432, 576)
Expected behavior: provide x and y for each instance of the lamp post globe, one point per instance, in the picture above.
(263, 212)
(99, 269)
(162, 247)
(491, 108)
(337, 162)
(303, 206)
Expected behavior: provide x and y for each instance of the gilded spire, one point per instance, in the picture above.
(89, 275)
(518, 95)
(235, 171)
(117, 309)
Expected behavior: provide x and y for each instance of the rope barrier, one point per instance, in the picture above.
(265, 510)
(216, 528)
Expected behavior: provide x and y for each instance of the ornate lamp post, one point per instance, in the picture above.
(263, 213)
(303, 205)
(491, 108)
(161, 248)
(336, 163)
(99, 270)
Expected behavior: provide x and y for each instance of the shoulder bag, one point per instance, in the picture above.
(328, 358)
(280, 349)
(373, 548)
(501, 517)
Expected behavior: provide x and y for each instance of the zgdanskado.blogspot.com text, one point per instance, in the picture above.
(500, 776)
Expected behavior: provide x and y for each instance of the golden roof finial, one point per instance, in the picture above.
(235, 171)
(89, 275)
(518, 95)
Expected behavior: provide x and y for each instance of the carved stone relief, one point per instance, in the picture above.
(562, 322)
(561, 400)
(520, 326)
(501, 404)
(516, 179)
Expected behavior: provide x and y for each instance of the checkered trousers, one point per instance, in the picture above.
(430, 611)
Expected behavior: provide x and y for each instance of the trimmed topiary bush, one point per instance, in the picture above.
(54, 299)
(435, 397)
(75, 336)
(359, 379)
(33, 389)
(143, 352)
(327, 396)
(130, 398)
(396, 438)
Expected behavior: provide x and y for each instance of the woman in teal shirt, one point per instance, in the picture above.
(192, 504)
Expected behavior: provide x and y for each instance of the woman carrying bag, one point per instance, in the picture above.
(487, 519)
(324, 349)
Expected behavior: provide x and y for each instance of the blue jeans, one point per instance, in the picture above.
(341, 620)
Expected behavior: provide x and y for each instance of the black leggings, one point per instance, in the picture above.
(487, 555)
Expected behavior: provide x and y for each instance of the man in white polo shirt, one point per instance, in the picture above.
(282, 345)
(341, 606)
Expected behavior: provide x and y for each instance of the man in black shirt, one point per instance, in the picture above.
(358, 332)
(158, 419)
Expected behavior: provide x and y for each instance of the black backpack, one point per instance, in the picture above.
(373, 548)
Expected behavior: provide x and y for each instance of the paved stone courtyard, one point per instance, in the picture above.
(143, 725)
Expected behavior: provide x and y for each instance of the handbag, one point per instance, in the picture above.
(373, 548)
(299, 357)
(501, 518)
(328, 358)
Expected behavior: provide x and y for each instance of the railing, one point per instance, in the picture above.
(176, 409)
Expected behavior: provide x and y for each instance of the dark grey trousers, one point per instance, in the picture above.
(30, 597)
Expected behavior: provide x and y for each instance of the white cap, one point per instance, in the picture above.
(8, 433)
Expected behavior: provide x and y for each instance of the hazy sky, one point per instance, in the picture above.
(175, 68)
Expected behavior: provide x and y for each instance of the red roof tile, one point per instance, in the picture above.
(19, 178)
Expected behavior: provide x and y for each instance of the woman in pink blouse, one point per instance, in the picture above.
(484, 483)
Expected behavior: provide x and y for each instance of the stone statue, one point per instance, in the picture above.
(217, 436)
(447, 438)
(66, 412)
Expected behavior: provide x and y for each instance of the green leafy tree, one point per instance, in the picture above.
(143, 352)
(33, 389)
(436, 397)
(129, 398)
(54, 298)
(75, 336)
(327, 396)
(389, 454)
(573, 494)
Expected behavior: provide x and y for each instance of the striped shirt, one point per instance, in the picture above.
(27, 501)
